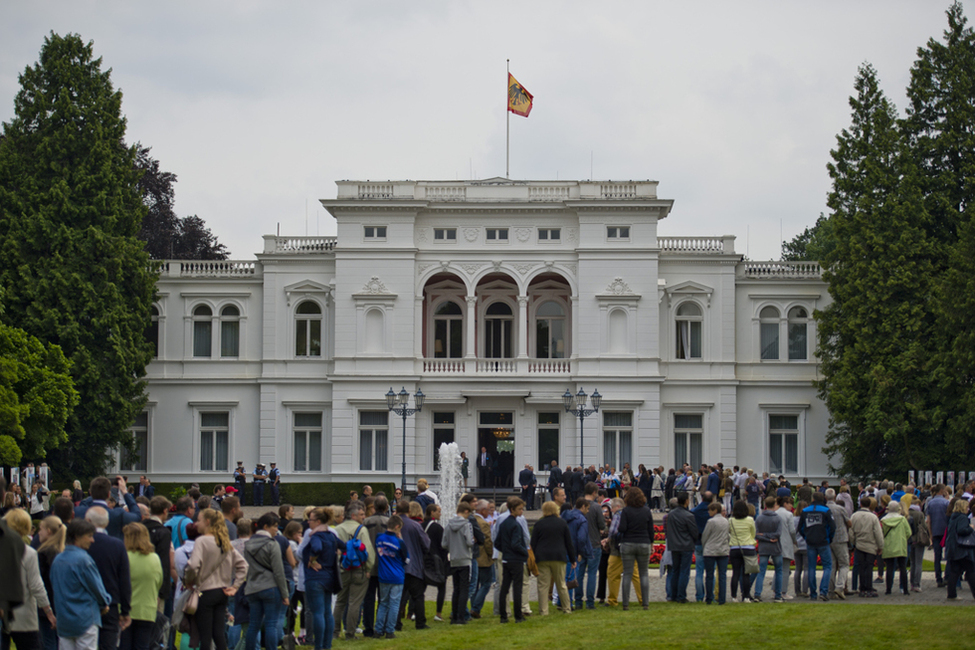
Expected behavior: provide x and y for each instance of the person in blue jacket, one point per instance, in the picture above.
(80, 597)
(579, 529)
(320, 558)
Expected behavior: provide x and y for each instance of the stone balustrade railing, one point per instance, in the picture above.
(208, 268)
(275, 244)
(784, 270)
(699, 245)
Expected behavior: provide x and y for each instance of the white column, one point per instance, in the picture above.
(418, 332)
(469, 327)
(574, 327)
(522, 327)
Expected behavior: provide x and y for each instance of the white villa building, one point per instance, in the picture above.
(494, 297)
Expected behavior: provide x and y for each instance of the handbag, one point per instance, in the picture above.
(192, 602)
(751, 561)
(434, 570)
(532, 564)
(751, 564)
(572, 584)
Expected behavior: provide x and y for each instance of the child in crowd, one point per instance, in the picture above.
(393, 559)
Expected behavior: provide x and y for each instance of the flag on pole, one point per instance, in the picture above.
(519, 99)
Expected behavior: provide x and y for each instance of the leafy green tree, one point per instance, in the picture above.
(811, 245)
(36, 396)
(72, 269)
(940, 127)
(875, 338)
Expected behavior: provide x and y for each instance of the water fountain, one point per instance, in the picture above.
(450, 478)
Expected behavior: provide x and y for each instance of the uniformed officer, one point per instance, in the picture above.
(274, 476)
(240, 479)
(260, 478)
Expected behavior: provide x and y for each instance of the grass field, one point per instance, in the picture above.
(820, 625)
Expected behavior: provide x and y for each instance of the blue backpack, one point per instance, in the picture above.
(354, 554)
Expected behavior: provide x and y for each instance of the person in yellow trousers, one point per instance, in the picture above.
(614, 570)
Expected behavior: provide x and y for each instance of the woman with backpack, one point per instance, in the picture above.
(320, 562)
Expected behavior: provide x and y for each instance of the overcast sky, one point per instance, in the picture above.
(260, 107)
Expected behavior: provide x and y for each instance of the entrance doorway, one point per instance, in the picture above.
(496, 433)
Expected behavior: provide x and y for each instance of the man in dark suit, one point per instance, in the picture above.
(554, 477)
(145, 488)
(112, 561)
(578, 484)
(99, 490)
(526, 479)
(484, 462)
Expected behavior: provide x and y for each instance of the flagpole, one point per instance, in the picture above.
(507, 125)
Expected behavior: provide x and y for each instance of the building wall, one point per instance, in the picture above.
(623, 298)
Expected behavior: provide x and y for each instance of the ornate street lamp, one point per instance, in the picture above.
(397, 403)
(576, 404)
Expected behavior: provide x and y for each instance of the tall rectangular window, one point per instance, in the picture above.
(548, 439)
(138, 459)
(783, 444)
(214, 441)
(617, 438)
(688, 439)
(373, 441)
(308, 442)
(202, 336)
(443, 433)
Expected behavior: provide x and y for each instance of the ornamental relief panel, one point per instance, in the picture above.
(471, 234)
(523, 234)
(423, 235)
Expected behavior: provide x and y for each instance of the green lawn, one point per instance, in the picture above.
(814, 625)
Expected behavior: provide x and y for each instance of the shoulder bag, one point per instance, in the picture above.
(192, 601)
(751, 561)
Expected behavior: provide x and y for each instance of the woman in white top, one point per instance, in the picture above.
(24, 629)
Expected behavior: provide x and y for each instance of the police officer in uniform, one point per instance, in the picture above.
(275, 477)
(240, 480)
(260, 478)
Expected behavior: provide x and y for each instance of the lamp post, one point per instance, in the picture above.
(397, 403)
(576, 404)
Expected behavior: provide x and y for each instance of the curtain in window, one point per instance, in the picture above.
(300, 451)
(206, 451)
(626, 448)
(775, 453)
(617, 419)
(770, 340)
(365, 449)
(314, 451)
(382, 450)
(791, 454)
(222, 452)
(229, 339)
(696, 452)
(695, 339)
(202, 334)
(609, 448)
(680, 449)
(797, 341)
(683, 339)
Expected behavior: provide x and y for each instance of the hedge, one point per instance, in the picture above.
(297, 494)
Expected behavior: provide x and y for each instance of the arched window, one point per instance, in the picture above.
(308, 329)
(229, 331)
(448, 331)
(689, 320)
(798, 342)
(202, 331)
(498, 331)
(550, 331)
(769, 333)
(152, 332)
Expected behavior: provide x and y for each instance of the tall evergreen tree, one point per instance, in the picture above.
(875, 337)
(940, 127)
(72, 269)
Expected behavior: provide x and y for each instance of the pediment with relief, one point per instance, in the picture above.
(305, 288)
(688, 288)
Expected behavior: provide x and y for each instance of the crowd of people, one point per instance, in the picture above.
(116, 570)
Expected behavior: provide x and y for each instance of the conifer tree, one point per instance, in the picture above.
(875, 337)
(72, 270)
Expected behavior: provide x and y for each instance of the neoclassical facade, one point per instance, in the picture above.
(494, 298)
